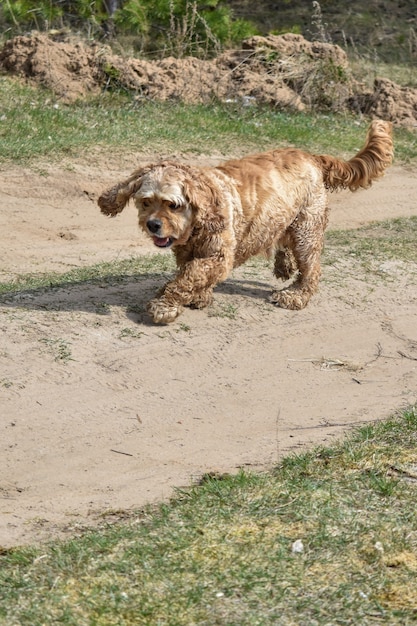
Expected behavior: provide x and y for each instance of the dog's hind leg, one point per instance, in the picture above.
(285, 265)
(306, 235)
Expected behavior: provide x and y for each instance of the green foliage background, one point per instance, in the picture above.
(199, 25)
(383, 30)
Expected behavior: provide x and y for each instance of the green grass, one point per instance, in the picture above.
(115, 271)
(219, 309)
(59, 348)
(374, 243)
(33, 126)
(223, 552)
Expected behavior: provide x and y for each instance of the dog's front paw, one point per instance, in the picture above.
(162, 312)
(203, 299)
(291, 298)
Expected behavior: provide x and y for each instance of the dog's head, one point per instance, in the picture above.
(173, 201)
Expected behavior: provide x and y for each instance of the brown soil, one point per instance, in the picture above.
(284, 71)
(103, 412)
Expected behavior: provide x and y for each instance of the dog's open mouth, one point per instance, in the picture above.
(163, 242)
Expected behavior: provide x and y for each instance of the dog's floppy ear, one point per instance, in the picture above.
(114, 200)
(206, 200)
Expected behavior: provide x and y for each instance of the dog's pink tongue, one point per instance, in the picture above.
(162, 242)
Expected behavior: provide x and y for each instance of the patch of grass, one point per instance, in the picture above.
(114, 271)
(224, 552)
(223, 309)
(6, 383)
(102, 308)
(130, 333)
(394, 239)
(33, 125)
(60, 348)
(184, 328)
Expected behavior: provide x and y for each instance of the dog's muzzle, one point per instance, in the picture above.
(154, 227)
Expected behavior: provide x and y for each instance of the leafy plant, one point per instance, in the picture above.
(133, 17)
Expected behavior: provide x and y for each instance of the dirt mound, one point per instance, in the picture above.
(389, 101)
(69, 70)
(284, 71)
(289, 45)
(74, 71)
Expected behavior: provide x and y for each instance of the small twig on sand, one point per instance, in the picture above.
(120, 452)
(407, 356)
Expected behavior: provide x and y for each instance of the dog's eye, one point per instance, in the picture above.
(173, 206)
(146, 203)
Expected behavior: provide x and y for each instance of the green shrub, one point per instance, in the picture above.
(182, 26)
(173, 26)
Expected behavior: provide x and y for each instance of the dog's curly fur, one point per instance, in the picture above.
(216, 218)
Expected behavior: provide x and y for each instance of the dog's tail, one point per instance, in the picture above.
(368, 165)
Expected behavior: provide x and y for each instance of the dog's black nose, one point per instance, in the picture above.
(154, 226)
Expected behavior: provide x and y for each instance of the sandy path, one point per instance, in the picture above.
(107, 412)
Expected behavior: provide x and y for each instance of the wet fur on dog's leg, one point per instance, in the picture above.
(307, 236)
(285, 265)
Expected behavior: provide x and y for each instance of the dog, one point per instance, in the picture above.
(215, 218)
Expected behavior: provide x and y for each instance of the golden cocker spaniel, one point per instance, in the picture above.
(215, 218)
